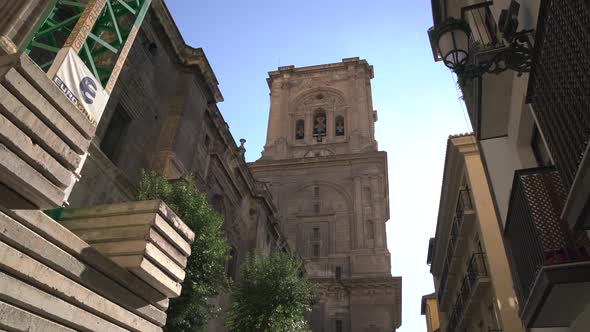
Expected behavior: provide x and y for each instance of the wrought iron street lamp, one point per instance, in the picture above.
(453, 40)
(453, 43)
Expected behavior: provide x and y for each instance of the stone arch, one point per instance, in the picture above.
(309, 93)
(339, 189)
(218, 203)
(318, 153)
(320, 213)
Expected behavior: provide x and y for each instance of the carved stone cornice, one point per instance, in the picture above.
(187, 55)
(289, 71)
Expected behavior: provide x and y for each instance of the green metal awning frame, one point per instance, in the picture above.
(117, 23)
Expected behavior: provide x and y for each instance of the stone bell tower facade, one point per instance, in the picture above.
(323, 167)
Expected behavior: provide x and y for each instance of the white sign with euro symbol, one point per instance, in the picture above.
(76, 81)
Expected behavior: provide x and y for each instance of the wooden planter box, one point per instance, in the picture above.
(146, 238)
(43, 137)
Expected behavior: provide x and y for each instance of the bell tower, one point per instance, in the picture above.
(323, 167)
(320, 110)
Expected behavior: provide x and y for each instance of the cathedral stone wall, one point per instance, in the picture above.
(163, 115)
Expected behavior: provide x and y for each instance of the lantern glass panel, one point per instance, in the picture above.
(453, 44)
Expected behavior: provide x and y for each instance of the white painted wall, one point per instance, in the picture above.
(502, 160)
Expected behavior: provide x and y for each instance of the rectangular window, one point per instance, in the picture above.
(338, 273)
(368, 198)
(112, 140)
(339, 326)
(207, 143)
(316, 207)
(230, 267)
(316, 250)
(370, 230)
(316, 233)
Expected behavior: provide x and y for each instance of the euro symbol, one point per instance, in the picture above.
(88, 89)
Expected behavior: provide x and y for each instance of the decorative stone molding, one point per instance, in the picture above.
(188, 56)
(146, 238)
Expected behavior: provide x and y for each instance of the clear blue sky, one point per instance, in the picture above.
(416, 98)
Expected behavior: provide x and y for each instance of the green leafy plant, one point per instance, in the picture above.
(270, 295)
(205, 276)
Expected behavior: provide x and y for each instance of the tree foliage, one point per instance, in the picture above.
(205, 276)
(270, 295)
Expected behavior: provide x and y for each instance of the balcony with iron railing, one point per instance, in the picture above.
(472, 286)
(463, 221)
(551, 263)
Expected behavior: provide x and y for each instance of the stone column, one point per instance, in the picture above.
(165, 160)
(370, 108)
(330, 125)
(361, 103)
(308, 127)
(353, 102)
(377, 204)
(283, 111)
(291, 124)
(358, 208)
(274, 116)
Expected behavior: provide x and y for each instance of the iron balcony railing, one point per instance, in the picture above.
(454, 238)
(463, 203)
(559, 82)
(455, 315)
(536, 235)
(484, 31)
(476, 269)
(443, 282)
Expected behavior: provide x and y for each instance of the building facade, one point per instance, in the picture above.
(530, 118)
(323, 167)
(474, 287)
(429, 309)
